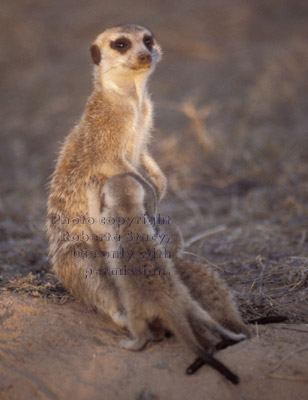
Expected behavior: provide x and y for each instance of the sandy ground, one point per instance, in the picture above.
(231, 135)
(54, 352)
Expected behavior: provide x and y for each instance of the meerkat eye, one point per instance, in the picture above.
(121, 45)
(148, 41)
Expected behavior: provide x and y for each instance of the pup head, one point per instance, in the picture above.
(123, 193)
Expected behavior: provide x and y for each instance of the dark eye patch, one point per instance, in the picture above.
(148, 41)
(121, 44)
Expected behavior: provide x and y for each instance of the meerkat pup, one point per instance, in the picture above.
(204, 284)
(149, 287)
(110, 138)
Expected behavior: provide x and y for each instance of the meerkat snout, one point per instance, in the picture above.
(145, 58)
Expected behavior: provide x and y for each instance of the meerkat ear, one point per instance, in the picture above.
(95, 53)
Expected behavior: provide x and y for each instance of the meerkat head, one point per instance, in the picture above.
(125, 51)
(123, 193)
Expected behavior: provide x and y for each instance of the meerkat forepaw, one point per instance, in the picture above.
(242, 337)
(120, 319)
(133, 344)
(237, 337)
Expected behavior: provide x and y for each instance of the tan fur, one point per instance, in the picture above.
(150, 288)
(204, 284)
(110, 138)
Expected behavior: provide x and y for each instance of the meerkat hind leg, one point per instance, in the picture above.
(98, 292)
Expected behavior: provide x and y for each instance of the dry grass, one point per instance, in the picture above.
(34, 285)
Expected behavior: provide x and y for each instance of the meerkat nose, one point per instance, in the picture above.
(144, 58)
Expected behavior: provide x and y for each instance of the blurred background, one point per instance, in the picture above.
(231, 131)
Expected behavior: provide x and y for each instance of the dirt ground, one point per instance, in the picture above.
(231, 98)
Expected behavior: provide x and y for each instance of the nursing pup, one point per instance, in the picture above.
(150, 289)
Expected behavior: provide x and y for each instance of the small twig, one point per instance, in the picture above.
(202, 235)
(252, 286)
(259, 259)
(198, 126)
(192, 205)
(204, 259)
(287, 357)
(303, 238)
(289, 329)
(288, 378)
(298, 284)
(272, 300)
(257, 332)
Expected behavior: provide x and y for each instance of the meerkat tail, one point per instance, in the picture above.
(216, 364)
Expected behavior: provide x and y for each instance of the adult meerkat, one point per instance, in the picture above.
(149, 287)
(110, 138)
